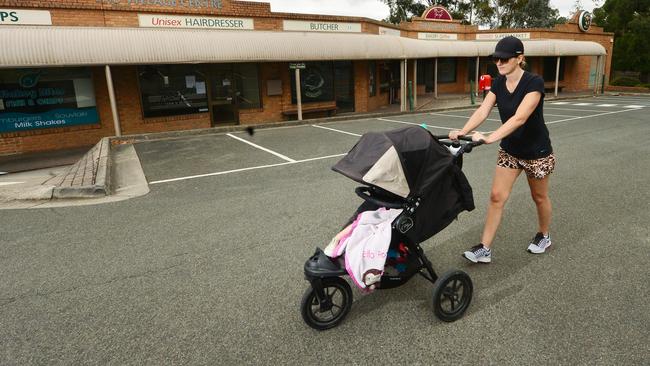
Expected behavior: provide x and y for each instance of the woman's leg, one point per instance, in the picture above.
(539, 192)
(504, 179)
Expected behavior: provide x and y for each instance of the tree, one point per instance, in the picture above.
(404, 10)
(629, 20)
(491, 13)
(537, 14)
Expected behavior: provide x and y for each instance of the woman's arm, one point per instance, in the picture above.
(525, 109)
(478, 117)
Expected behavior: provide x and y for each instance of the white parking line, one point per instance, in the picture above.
(606, 105)
(582, 104)
(244, 169)
(262, 148)
(625, 99)
(590, 116)
(335, 130)
(633, 106)
(556, 115)
(560, 103)
(568, 109)
(9, 183)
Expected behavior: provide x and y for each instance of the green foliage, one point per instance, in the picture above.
(404, 10)
(630, 22)
(493, 13)
(625, 81)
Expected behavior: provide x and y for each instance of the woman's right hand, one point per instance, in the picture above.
(453, 135)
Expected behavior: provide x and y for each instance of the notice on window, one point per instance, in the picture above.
(200, 87)
(190, 81)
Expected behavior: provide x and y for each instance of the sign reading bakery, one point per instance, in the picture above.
(24, 17)
(174, 21)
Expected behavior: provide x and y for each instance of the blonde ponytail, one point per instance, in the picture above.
(523, 64)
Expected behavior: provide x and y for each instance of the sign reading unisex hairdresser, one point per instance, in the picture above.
(173, 21)
(44, 98)
(22, 17)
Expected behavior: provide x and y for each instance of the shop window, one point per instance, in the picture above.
(425, 74)
(45, 98)
(550, 64)
(372, 81)
(171, 90)
(248, 86)
(446, 70)
(316, 83)
(387, 79)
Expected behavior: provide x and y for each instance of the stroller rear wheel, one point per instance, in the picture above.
(451, 295)
(332, 310)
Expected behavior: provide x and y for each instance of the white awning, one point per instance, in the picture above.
(37, 46)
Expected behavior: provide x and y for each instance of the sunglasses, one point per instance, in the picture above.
(504, 60)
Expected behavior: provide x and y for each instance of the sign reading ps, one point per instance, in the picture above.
(21, 17)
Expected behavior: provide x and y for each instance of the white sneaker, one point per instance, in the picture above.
(478, 253)
(539, 244)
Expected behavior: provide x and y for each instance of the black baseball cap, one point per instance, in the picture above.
(508, 47)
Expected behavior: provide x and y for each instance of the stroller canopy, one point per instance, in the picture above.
(405, 161)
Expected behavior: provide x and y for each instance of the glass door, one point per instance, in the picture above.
(224, 105)
(344, 86)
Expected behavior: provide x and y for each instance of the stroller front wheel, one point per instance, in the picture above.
(451, 295)
(333, 308)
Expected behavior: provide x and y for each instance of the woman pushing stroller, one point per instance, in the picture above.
(525, 145)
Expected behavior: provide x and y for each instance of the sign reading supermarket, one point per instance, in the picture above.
(174, 21)
(498, 36)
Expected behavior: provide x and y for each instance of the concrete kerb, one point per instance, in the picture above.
(98, 159)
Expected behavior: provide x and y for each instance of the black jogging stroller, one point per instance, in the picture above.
(410, 169)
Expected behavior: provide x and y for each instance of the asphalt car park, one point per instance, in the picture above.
(207, 268)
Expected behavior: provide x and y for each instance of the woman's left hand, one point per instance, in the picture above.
(477, 136)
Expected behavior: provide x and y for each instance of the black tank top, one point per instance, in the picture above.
(531, 140)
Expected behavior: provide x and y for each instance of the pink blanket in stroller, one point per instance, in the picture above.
(365, 244)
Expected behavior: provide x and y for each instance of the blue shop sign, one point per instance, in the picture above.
(38, 100)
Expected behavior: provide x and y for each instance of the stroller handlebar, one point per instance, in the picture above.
(366, 194)
(465, 148)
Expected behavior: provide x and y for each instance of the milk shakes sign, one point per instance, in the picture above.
(22, 17)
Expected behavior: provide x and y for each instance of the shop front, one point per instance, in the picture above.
(100, 68)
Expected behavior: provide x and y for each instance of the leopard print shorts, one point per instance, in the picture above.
(537, 168)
